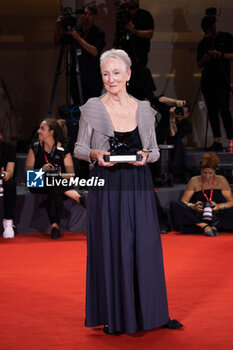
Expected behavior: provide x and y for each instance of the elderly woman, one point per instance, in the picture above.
(206, 205)
(53, 157)
(126, 288)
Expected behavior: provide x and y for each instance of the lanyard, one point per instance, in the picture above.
(211, 191)
(51, 154)
(84, 34)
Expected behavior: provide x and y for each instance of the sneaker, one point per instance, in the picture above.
(8, 228)
(216, 147)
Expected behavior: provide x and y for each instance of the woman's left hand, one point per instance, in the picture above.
(215, 206)
(144, 155)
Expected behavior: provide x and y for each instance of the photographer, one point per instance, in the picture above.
(7, 166)
(215, 51)
(134, 30)
(171, 130)
(207, 203)
(87, 42)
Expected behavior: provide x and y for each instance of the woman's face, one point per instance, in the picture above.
(115, 75)
(43, 132)
(207, 174)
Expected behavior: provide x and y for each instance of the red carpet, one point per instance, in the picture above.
(42, 295)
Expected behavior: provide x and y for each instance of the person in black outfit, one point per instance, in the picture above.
(215, 51)
(171, 130)
(87, 42)
(51, 155)
(136, 43)
(7, 166)
(189, 215)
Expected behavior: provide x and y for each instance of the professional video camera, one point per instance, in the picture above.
(124, 16)
(68, 21)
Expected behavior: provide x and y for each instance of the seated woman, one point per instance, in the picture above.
(207, 203)
(52, 156)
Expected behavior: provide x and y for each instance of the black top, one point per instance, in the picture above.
(132, 138)
(7, 154)
(217, 69)
(56, 157)
(136, 47)
(217, 196)
(142, 21)
(93, 36)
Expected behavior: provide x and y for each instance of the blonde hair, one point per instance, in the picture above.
(118, 54)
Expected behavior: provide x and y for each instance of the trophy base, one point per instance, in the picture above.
(123, 158)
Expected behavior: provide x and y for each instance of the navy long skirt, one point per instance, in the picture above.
(125, 286)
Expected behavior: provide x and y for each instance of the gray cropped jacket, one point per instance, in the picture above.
(95, 127)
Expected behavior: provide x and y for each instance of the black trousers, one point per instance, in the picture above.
(54, 201)
(9, 198)
(218, 100)
(184, 219)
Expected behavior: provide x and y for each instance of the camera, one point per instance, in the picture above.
(211, 11)
(58, 159)
(181, 111)
(56, 168)
(67, 20)
(2, 175)
(124, 16)
(207, 211)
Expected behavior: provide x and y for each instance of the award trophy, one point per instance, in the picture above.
(121, 152)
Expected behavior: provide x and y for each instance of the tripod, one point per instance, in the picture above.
(66, 46)
(11, 121)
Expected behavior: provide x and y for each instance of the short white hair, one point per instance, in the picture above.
(118, 54)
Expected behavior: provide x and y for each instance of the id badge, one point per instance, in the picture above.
(78, 52)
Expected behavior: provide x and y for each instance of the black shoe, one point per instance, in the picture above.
(210, 232)
(216, 147)
(216, 233)
(106, 331)
(164, 228)
(55, 233)
(173, 324)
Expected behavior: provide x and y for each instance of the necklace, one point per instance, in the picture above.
(51, 154)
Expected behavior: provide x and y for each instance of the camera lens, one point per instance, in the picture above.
(207, 212)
